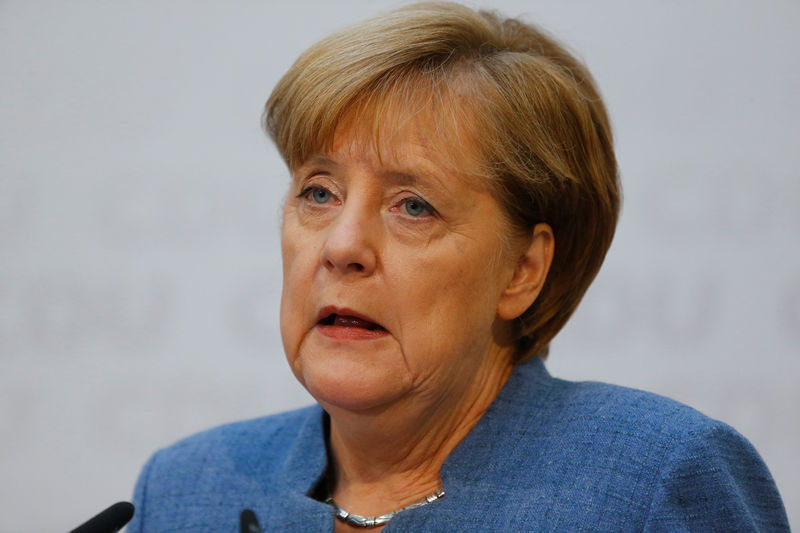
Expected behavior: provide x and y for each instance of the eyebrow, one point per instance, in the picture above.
(396, 176)
(393, 175)
(401, 178)
(318, 159)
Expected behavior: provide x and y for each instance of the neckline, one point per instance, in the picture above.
(307, 464)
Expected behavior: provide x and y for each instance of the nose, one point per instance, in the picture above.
(350, 246)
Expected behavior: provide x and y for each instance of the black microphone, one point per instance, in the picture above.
(248, 523)
(109, 521)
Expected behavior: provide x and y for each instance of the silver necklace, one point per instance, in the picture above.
(379, 520)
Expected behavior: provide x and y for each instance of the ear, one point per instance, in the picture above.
(529, 275)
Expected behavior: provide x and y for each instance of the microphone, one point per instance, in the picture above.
(109, 521)
(248, 522)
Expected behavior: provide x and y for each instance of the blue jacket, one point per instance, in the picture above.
(548, 455)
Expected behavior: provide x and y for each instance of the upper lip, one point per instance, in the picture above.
(329, 310)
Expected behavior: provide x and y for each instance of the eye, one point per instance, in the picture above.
(316, 193)
(417, 207)
(320, 195)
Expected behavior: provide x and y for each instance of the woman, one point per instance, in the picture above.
(454, 191)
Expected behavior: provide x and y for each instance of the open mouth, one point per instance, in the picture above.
(350, 321)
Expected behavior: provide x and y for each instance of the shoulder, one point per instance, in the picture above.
(232, 449)
(617, 409)
(270, 433)
(599, 427)
(234, 466)
(615, 458)
(681, 444)
(600, 410)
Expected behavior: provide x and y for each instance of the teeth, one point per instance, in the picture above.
(353, 322)
(349, 321)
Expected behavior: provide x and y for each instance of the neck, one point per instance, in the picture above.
(387, 458)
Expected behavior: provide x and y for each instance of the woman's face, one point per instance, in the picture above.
(393, 267)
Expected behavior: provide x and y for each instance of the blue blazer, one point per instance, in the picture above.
(548, 455)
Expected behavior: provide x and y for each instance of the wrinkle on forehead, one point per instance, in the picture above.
(435, 125)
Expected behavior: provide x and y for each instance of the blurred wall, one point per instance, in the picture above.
(139, 212)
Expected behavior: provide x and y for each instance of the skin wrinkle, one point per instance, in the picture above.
(407, 453)
(357, 147)
(395, 418)
(404, 63)
(431, 106)
(494, 106)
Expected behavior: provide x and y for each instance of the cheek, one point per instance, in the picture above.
(299, 253)
(452, 294)
(298, 271)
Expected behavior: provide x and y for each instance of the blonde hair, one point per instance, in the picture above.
(532, 111)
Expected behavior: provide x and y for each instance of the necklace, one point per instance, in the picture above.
(379, 520)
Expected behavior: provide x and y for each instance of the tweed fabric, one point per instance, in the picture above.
(548, 455)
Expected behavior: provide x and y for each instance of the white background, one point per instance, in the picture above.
(139, 259)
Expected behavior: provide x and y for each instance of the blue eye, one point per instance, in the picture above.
(318, 194)
(416, 207)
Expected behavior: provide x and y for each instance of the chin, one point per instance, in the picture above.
(337, 385)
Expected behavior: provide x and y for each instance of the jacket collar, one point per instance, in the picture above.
(307, 461)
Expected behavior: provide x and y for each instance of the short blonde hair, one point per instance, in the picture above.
(535, 116)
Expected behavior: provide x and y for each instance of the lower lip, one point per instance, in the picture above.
(351, 333)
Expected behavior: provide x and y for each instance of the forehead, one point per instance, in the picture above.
(425, 129)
